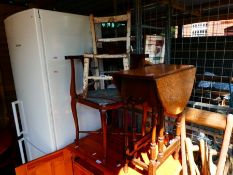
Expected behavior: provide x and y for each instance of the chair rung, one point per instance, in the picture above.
(105, 56)
(117, 18)
(108, 72)
(102, 77)
(112, 39)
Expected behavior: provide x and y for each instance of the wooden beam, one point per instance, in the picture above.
(189, 19)
(180, 6)
(204, 19)
(213, 5)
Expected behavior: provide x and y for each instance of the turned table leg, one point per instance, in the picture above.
(161, 134)
(178, 132)
(152, 164)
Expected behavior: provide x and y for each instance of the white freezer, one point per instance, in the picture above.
(38, 40)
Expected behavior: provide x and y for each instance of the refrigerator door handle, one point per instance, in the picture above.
(15, 113)
(20, 141)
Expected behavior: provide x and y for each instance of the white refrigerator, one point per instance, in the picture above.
(38, 41)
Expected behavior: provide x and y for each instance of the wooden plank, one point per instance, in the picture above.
(205, 118)
(212, 5)
(204, 19)
(117, 18)
(169, 150)
(181, 7)
(112, 39)
(140, 164)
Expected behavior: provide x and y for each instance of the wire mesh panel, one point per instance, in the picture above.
(198, 33)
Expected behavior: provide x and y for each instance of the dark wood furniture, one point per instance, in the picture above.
(110, 99)
(164, 88)
(100, 98)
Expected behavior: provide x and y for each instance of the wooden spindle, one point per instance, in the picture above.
(161, 134)
(178, 132)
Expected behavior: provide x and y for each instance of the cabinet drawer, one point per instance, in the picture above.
(83, 167)
(80, 170)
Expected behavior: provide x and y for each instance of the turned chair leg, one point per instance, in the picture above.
(104, 129)
(125, 117)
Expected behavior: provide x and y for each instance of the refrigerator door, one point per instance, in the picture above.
(66, 34)
(30, 78)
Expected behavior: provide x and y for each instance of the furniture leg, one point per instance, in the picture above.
(144, 117)
(225, 144)
(161, 134)
(75, 117)
(178, 131)
(193, 167)
(104, 129)
(73, 101)
(152, 164)
(126, 139)
(204, 168)
(183, 150)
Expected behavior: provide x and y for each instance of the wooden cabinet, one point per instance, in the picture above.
(59, 163)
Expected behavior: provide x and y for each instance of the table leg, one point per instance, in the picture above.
(144, 117)
(178, 132)
(152, 164)
(161, 133)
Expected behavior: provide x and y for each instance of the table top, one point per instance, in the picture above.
(169, 84)
(153, 72)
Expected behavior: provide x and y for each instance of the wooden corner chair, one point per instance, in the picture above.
(211, 120)
(101, 98)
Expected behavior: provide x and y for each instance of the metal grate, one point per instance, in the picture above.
(198, 33)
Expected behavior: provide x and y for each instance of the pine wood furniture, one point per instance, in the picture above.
(164, 88)
(211, 120)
